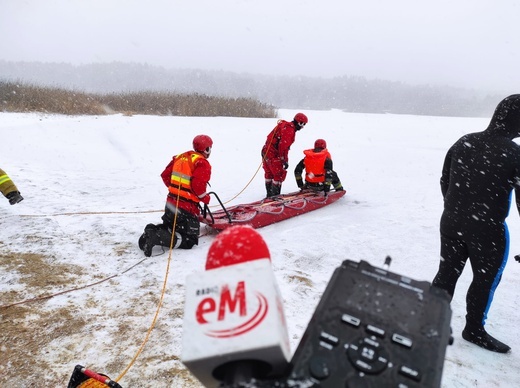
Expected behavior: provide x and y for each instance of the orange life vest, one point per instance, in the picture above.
(315, 165)
(182, 171)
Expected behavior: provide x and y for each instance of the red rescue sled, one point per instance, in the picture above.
(270, 210)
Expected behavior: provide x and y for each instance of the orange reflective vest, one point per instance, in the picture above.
(182, 171)
(315, 165)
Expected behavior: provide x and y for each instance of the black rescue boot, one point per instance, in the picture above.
(141, 241)
(275, 190)
(143, 237)
(148, 244)
(165, 237)
(148, 239)
(480, 337)
(269, 189)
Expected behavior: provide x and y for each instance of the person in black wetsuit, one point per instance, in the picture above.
(479, 174)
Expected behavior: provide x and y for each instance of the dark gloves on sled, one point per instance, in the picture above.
(285, 165)
(517, 258)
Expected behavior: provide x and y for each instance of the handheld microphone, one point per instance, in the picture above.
(234, 327)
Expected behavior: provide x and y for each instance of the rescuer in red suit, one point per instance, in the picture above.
(275, 153)
(186, 176)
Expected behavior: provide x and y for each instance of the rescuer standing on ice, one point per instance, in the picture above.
(275, 153)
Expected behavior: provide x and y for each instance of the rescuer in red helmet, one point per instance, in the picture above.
(319, 175)
(275, 153)
(186, 176)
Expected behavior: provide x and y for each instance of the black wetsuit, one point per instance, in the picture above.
(479, 174)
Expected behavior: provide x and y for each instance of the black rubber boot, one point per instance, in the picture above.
(143, 237)
(480, 337)
(148, 239)
(159, 235)
(141, 241)
(164, 236)
(269, 189)
(147, 244)
(275, 190)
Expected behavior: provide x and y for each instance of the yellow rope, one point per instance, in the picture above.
(245, 187)
(154, 321)
(163, 291)
(156, 211)
(166, 279)
(254, 175)
(87, 213)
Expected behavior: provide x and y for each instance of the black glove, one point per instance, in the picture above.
(517, 258)
(14, 197)
(285, 165)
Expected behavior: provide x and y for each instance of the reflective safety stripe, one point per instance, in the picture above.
(499, 273)
(3, 179)
(181, 179)
(182, 171)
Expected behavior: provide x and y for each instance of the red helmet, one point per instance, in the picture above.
(202, 143)
(320, 143)
(301, 118)
(236, 245)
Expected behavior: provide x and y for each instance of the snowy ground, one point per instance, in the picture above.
(92, 183)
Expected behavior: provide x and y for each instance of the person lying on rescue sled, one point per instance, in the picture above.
(319, 175)
(186, 176)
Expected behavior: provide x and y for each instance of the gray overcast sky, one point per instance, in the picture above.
(468, 43)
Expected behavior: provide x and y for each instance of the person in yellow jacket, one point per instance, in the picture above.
(319, 173)
(9, 189)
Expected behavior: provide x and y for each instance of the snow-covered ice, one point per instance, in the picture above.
(91, 184)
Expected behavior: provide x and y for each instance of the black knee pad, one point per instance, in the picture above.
(187, 227)
(187, 242)
(164, 236)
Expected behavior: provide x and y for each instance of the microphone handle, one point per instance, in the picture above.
(236, 373)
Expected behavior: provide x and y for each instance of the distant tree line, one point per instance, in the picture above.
(348, 93)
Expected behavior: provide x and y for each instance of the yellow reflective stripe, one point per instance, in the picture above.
(195, 156)
(181, 176)
(181, 179)
(3, 179)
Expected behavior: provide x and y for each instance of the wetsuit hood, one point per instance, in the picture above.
(506, 119)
